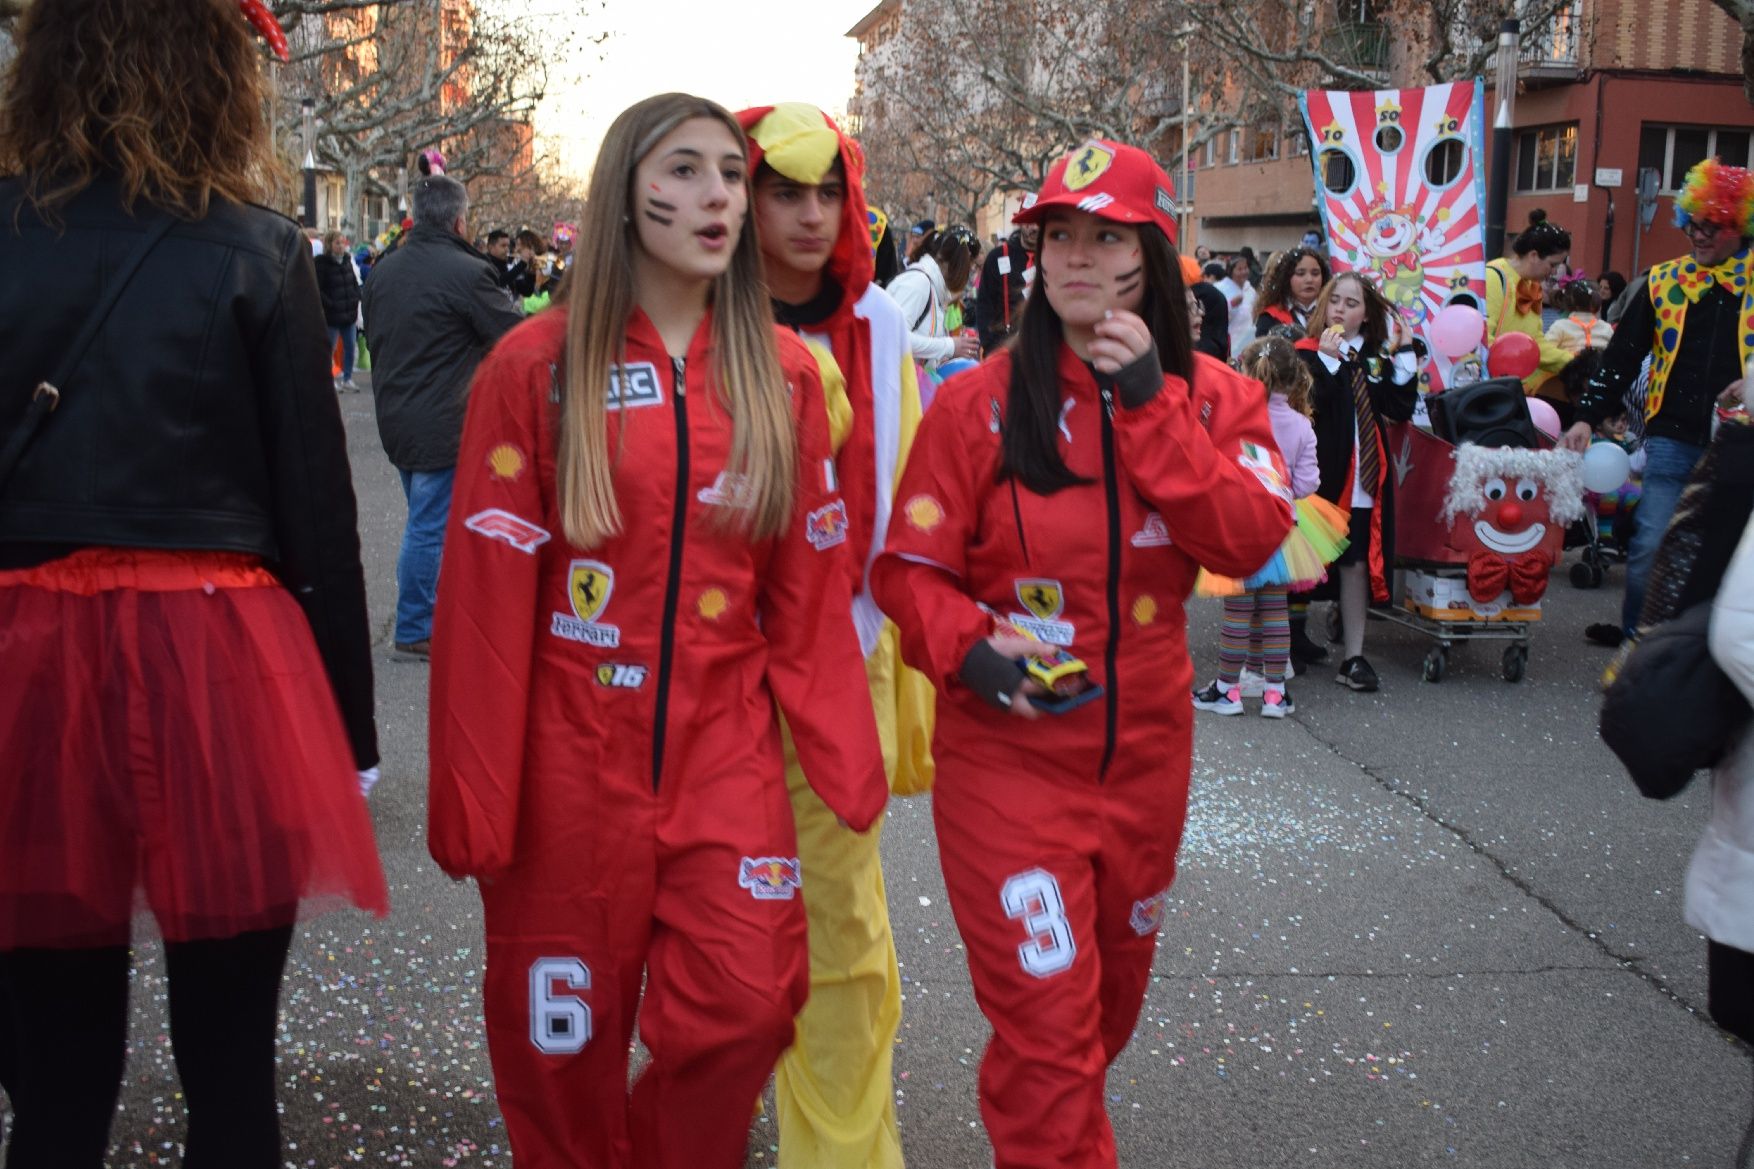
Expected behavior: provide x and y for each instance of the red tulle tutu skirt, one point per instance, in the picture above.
(172, 749)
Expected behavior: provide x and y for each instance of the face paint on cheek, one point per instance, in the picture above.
(659, 212)
(1127, 282)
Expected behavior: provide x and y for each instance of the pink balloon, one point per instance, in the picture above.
(1545, 416)
(1513, 355)
(1456, 330)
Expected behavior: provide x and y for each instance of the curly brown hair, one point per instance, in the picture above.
(166, 95)
(1276, 287)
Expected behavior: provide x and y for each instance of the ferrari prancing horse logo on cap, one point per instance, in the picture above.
(1087, 164)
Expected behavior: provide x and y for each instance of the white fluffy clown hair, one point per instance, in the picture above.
(1555, 470)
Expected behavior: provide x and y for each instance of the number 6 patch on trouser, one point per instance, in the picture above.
(1048, 906)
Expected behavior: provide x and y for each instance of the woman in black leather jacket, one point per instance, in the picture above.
(185, 663)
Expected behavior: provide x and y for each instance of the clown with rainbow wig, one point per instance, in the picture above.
(1693, 318)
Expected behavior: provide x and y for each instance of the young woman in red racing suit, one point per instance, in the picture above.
(646, 554)
(1073, 484)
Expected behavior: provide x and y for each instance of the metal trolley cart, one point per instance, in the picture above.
(1432, 555)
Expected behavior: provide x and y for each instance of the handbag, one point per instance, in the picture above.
(1671, 711)
(47, 394)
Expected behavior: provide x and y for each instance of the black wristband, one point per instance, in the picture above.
(1140, 380)
(991, 675)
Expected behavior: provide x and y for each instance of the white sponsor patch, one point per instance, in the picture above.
(631, 386)
(1154, 533)
(728, 490)
(498, 524)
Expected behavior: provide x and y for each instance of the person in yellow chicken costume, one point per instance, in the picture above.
(835, 1099)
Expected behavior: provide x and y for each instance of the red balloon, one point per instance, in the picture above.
(1513, 355)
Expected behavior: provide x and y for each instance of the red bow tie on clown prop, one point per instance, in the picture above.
(1490, 575)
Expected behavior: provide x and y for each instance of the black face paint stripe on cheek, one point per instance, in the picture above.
(658, 219)
(660, 205)
(1127, 281)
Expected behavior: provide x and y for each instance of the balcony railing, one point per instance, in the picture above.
(1358, 45)
(1556, 46)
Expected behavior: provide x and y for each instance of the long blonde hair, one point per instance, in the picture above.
(746, 374)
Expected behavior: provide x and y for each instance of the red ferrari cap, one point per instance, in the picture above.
(1111, 181)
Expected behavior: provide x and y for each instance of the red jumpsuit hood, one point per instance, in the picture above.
(853, 265)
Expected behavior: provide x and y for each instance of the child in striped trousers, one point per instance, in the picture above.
(1257, 629)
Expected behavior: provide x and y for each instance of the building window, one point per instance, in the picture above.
(1211, 152)
(1546, 158)
(1672, 151)
(1264, 146)
(1234, 151)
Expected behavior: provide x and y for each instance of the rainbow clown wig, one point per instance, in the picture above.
(1715, 193)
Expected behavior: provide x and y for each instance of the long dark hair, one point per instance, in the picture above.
(1032, 414)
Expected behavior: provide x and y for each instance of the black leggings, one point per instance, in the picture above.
(63, 1034)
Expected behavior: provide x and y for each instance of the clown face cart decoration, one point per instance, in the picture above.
(1402, 196)
(1479, 530)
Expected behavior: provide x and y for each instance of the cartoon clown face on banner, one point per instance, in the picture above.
(1402, 195)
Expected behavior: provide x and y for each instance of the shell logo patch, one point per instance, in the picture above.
(506, 462)
(712, 604)
(924, 512)
(1087, 164)
(1145, 610)
(589, 584)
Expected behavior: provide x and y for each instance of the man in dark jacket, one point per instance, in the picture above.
(1005, 277)
(433, 308)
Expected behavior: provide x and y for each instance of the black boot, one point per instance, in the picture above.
(1304, 651)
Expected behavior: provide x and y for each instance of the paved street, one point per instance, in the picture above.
(1433, 925)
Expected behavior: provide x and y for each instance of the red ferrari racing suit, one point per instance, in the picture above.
(1058, 836)
(606, 757)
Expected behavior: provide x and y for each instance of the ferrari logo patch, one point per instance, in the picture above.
(1043, 601)
(1087, 165)
(589, 584)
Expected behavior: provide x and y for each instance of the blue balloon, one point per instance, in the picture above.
(955, 366)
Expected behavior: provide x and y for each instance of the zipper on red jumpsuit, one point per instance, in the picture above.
(1112, 490)
(673, 579)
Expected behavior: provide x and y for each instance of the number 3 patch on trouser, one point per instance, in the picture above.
(560, 1022)
(1033, 897)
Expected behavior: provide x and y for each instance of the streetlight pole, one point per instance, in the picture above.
(1187, 184)
(1498, 198)
(308, 213)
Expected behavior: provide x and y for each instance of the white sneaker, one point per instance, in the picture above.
(1219, 701)
(1251, 684)
(1276, 702)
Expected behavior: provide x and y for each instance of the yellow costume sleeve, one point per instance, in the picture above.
(915, 708)
(834, 396)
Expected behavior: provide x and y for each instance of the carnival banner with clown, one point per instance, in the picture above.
(1402, 196)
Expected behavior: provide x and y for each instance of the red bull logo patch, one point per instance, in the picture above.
(1147, 915)
(771, 878)
(827, 526)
